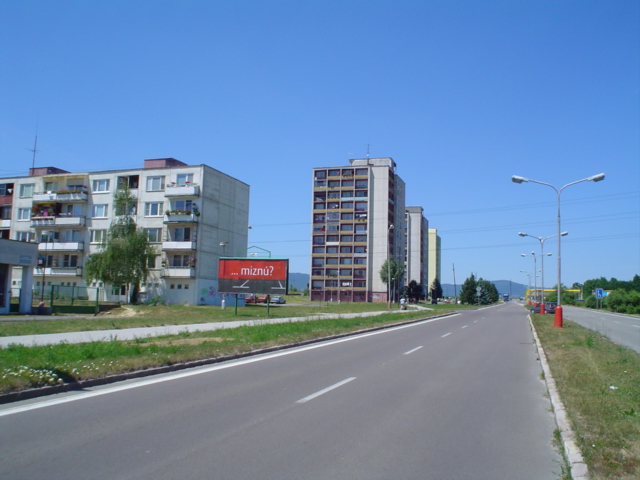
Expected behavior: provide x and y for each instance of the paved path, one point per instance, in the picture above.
(145, 332)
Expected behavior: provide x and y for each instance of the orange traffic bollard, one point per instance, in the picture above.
(558, 319)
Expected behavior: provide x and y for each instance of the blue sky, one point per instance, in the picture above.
(461, 94)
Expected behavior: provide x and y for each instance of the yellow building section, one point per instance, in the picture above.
(532, 294)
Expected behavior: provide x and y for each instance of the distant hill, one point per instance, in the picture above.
(299, 280)
(503, 286)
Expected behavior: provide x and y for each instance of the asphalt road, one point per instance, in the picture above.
(454, 398)
(620, 329)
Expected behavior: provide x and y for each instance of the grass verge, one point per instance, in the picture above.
(24, 367)
(132, 316)
(599, 384)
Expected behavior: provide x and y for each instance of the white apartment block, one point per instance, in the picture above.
(417, 248)
(358, 222)
(434, 258)
(193, 215)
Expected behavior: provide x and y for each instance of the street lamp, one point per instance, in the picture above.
(542, 240)
(389, 268)
(529, 284)
(535, 275)
(594, 178)
(46, 234)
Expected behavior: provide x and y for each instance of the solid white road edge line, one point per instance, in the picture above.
(199, 371)
(325, 390)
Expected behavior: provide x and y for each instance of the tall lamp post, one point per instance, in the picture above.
(529, 285)
(593, 178)
(542, 240)
(46, 234)
(389, 267)
(535, 275)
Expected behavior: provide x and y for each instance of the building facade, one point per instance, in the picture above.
(358, 222)
(192, 214)
(434, 257)
(417, 247)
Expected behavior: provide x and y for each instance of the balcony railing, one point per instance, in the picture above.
(60, 247)
(58, 271)
(57, 221)
(75, 195)
(179, 272)
(172, 245)
(182, 191)
(180, 218)
(5, 223)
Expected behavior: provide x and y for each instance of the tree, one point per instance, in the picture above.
(394, 270)
(436, 289)
(413, 291)
(124, 258)
(468, 291)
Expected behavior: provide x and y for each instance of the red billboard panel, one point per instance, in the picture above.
(268, 276)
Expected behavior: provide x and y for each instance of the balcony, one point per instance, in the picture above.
(5, 223)
(180, 218)
(179, 245)
(68, 196)
(179, 272)
(59, 221)
(182, 191)
(61, 247)
(58, 271)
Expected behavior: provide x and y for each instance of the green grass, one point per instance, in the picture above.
(599, 384)
(150, 316)
(24, 367)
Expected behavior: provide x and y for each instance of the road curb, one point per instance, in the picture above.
(577, 467)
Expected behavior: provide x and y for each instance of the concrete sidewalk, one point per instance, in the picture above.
(145, 332)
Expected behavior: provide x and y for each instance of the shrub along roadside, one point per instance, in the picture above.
(599, 384)
(24, 367)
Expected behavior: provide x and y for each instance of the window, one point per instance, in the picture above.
(67, 236)
(320, 183)
(360, 260)
(361, 238)
(360, 249)
(99, 211)
(26, 190)
(3, 189)
(361, 193)
(24, 214)
(332, 261)
(361, 206)
(347, 194)
(24, 236)
(317, 240)
(100, 185)
(153, 209)
(130, 181)
(346, 261)
(317, 262)
(361, 184)
(347, 183)
(318, 249)
(155, 184)
(346, 227)
(332, 272)
(332, 249)
(182, 234)
(347, 204)
(345, 249)
(183, 179)
(361, 228)
(184, 205)
(71, 210)
(321, 174)
(362, 171)
(332, 228)
(70, 261)
(334, 173)
(345, 272)
(334, 183)
(98, 236)
(180, 261)
(153, 234)
(50, 186)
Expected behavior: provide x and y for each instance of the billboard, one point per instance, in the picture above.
(269, 276)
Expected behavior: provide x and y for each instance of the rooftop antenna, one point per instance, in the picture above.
(34, 149)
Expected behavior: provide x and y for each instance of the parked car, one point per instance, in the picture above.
(277, 299)
(549, 307)
(251, 298)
